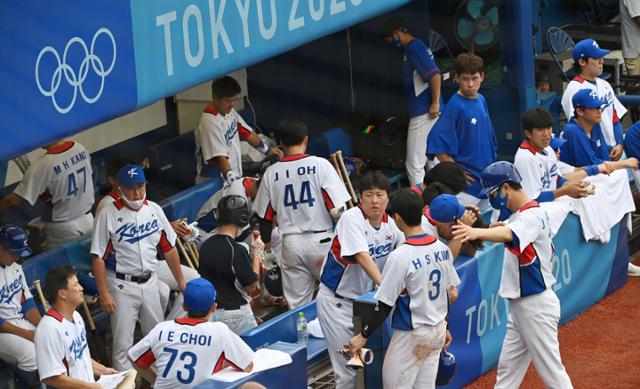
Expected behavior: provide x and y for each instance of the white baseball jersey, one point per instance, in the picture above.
(539, 171)
(128, 240)
(415, 280)
(237, 187)
(354, 234)
(61, 347)
(528, 258)
(107, 199)
(300, 190)
(612, 112)
(220, 135)
(14, 293)
(61, 178)
(186, 351)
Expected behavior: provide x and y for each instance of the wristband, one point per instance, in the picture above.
(229, 177)
(262, 147)
(592, 170)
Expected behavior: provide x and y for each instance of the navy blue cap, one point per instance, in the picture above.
(199, 295)
(556, 143)
(588, 48)
(131, 175)
(587, 98)
(446, 208)
(14, 239)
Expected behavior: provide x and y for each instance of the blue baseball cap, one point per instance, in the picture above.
(130, 175)
(556, 143)
(588, 48)
(199, 295)
(14, 239)
(587, 98)
(446, 208)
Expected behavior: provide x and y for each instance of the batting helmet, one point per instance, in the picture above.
(233, 209)
(14, 239)
(497, 174)
(446, 368)
(273, 282)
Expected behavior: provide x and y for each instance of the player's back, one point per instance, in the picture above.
(187, 351)
(294, 187)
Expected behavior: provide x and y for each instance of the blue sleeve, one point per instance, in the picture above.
(422, 61)
(618, 132)
(545, 197)
(27, 305)
(632, 141)
(443, 138)
(2, 320)
(577, 151)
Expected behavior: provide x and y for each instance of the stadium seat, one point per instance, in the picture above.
(560, 42)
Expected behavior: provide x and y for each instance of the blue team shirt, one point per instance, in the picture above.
(418, 58)
(632, 141)
(580, 150)
(464, 131)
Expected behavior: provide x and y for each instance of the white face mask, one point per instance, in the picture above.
(137, 204)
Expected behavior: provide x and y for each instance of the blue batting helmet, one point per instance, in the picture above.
(14, 239)
(446, 368)
(497, 174)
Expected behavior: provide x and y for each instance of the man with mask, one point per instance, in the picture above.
(126, 238)
(422, 79)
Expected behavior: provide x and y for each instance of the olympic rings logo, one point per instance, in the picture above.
(73, 78)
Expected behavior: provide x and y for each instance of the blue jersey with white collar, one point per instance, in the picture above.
(418, 60)
(632, 141)
(465, 132)
(581, 150)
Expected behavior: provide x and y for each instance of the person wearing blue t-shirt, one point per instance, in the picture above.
(422, 79)
(464, 132)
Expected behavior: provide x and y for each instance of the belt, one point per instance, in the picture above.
(319, 232)
(136, 279)
(233, 308)
(342, 297)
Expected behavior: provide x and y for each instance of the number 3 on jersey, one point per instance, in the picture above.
(188, 367)
(72, 182)
(305, 196)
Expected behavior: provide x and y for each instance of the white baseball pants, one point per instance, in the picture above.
(416, 158)
(532, 333)
(17, 350)
(58, 233)
(166, 277)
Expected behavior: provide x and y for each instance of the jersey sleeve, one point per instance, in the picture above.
(526, 167)
(564, 169)
(142, 353)
(422, 61)
(633, 7)
(242, 266)
(443, 138)
(101, 238)
(262, 203)
(567, 105)
(351, 235)
(34, 183)
(236, 352)
(577, 151)
(525, 229)
(212, 139)
(393, 279)
(244, 130)
(50, 351)
(334, 192)
(169, 236)
(454, 278)
(26, 300)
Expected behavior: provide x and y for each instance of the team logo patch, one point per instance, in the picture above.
(132, 172)
(474, 121)
(132, 233)
(8, 291)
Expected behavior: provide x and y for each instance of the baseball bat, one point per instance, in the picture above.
(184, 253)
(94, 338)
(334, 162)
(192, 251)
(345, 173)
(43, 301)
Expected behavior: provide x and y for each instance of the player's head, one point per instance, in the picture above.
(113, 167)
(587, 106)
(199, 298)
(406, 208)
(449, 174)
(374, 194)
(469, 75)
(588, 58)
(133, 185)
(13, 244)
(293, 132)
(537, 124)
(61, 286)
(394, 31)
(498, 181)
(225, 91)
(445, 210)
(233, 210)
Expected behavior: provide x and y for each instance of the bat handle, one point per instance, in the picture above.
(87, 313)
(44, 302)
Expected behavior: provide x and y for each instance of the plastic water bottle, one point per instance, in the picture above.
(302, 329)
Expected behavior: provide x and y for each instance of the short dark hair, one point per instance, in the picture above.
(468, 63)
(577, 68)
(225, 87)
(448, 173)
(292, 132)
(116, 163)
(57, 278)
(434, 190)
(536, 118)
(514, 185)
(374, 179)
(197, 314)
(390, 25)
(408, 204)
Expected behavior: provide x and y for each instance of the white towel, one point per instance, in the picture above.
(314, 329)
(600, 212)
